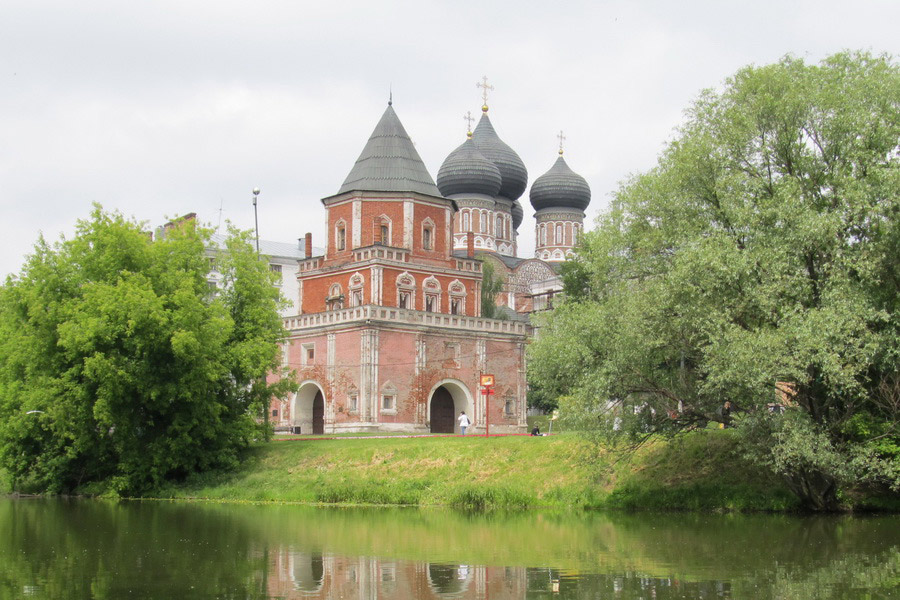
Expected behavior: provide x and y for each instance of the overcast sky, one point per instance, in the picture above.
(160, 108)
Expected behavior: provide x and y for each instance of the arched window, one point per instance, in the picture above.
(428, 234)
(382, 231)
(356, 290)
(465, 221)
(406, 291)
(340, 235)
(559, 234)
(335, 299)
(457, 297)
(431, 289)
(498, 230)
(543, 234)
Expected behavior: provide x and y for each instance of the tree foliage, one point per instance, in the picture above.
(491, 286)
(118, 363)
(763, 248)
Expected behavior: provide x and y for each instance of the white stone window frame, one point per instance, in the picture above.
(335, 298)
(543, 234)
(428, 224)
(385, 220)
(498, 226)
(406, 284)
(466, 220)
(305, 359)
(340, 241)
(388, 391)
(431, 288)
(560, 237)
(353, 400)
(356, 288)
(457, 291)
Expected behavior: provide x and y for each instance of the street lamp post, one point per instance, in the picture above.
(255, 220)
(256, 228)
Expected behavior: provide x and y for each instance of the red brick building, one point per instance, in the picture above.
(388, 334)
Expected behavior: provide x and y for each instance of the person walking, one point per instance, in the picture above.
(463, 422)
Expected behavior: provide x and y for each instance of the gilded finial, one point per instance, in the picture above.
(561, 138)
(483, 84)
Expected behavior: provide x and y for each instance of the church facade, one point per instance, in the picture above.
(388, 333)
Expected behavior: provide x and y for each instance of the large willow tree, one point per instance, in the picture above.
(762, 251)
(119, 364)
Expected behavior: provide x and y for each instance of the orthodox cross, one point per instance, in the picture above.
(561, 138)
(484, 87)
(468, 118)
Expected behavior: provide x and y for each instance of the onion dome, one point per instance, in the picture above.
(389, 162)
(560, 187)
(512, 169)
(468, 171)
(517, 214)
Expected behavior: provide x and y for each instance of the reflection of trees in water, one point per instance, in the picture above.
(99, 550)
(556, 583)
(852, 575)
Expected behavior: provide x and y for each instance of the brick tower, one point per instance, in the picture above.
(389, 334)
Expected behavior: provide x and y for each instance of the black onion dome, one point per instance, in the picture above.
(468, 171)
(512, 169)
(560, 187)
(517, 214)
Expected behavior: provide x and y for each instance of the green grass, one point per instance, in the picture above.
(701, 471)
(503, 471)
(698, 472)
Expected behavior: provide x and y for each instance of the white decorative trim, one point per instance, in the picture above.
(408, 224)
(357, 223)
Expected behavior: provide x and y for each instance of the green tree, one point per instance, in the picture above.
(491, 285)
(119, 364)
(763, 248)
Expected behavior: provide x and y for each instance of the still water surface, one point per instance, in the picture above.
(62, 549)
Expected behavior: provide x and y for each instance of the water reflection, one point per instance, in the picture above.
(98, 550)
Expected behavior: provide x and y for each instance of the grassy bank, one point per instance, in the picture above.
(697, 472)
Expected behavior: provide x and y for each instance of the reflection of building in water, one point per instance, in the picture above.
(294, 575)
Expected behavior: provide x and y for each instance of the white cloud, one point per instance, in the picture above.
(163, 108)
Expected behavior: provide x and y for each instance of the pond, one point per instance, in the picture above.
(61, 549)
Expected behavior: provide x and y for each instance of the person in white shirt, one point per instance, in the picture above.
(463, 422)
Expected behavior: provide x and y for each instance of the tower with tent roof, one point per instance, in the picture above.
(389, 334)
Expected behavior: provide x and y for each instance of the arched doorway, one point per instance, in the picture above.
(443, 411)
(318, 414)
(308, 409)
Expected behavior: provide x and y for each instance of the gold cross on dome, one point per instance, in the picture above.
(484, 93)
(468, 118)
(561, 138)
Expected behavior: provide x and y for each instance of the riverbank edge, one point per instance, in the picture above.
(700, 472)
